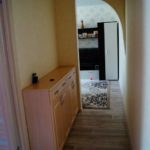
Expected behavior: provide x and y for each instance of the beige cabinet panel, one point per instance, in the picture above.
(73, 95)
(58, 115)
(50, 108)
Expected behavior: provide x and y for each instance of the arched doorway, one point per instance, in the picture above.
(90, 13)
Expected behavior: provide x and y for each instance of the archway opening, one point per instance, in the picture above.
(91, 17)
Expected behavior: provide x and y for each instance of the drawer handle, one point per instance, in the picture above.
(69, 77)
(61, 99)
(64, 84)
(56, 92)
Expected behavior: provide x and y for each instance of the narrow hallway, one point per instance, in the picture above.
(101, 129)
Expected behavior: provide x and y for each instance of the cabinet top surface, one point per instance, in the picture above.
(49, 80)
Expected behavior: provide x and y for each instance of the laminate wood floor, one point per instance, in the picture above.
(101, 129)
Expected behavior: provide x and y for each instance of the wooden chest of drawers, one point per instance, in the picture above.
(50, 108)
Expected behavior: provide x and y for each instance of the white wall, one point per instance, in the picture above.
(93, 14)
(138, 52)
(89, 2)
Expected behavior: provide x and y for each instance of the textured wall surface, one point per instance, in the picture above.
(91, 15)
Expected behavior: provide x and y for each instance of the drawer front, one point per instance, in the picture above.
(71, 76)
(58, 92)
(55, 95)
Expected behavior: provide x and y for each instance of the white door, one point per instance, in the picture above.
(9, 137)
(111, 51)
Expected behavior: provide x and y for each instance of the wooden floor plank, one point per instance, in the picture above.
(101, 129)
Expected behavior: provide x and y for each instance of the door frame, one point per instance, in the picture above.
(14, 73)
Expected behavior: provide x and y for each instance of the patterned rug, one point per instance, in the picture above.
(95, 94)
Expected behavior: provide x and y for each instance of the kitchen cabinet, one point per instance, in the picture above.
(51, 106)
